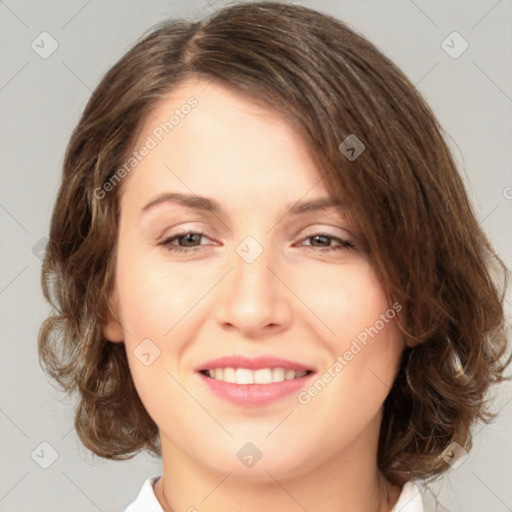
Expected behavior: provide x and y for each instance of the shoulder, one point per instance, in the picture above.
(146, 500)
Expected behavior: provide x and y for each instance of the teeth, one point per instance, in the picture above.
(242, 376)
(289, 375)
(229, 375)
(247, 376)
(263, 376)
(278, 374)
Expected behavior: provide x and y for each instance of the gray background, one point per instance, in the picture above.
(41, 100)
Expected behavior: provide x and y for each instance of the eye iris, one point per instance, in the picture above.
(190, 237)
(323, 238)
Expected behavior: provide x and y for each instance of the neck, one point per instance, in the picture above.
(347, 481)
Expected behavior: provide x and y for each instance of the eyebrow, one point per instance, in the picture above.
(210, 205)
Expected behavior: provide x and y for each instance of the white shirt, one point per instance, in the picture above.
(409, 501)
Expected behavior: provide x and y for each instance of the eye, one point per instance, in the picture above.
(188, 238)
(189, 241)
(324, 240)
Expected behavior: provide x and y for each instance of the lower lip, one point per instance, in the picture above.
(255, 394)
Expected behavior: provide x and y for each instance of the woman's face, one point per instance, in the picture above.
(268, 286)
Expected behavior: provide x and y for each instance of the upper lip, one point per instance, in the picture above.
(253, 363)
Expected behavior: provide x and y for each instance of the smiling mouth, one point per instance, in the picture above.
(248, 376)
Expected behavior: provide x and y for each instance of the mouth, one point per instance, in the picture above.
(254, 381)
(246, 376)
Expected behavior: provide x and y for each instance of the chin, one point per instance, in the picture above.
(272, 464)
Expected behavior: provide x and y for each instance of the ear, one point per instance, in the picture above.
(111, 328)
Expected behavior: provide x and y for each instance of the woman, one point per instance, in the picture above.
(268, 272)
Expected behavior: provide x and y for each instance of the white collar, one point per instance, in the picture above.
(409, 500)
(146, 500)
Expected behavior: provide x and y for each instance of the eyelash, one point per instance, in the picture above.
(343, 244)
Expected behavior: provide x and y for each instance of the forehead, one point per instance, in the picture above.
(226, 146)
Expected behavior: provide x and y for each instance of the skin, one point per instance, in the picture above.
(295, 301)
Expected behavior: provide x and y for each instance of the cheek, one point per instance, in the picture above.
(154, 295)
(368, 338)
(157, 304)
(363, 342)
(345, 298)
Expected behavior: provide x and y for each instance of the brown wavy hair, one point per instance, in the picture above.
(420, 229)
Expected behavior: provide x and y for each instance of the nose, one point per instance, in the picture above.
(253, 298)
